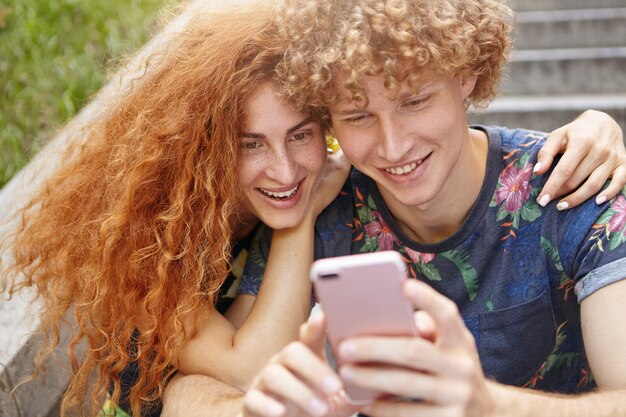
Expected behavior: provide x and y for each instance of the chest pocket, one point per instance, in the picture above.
(514, 342)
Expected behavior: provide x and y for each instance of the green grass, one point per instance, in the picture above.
(54, 55)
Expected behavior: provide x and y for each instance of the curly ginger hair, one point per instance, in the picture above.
(134, 230)
(405, 40)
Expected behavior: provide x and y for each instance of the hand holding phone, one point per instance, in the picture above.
(362, 295)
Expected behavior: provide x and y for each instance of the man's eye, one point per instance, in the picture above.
(416, 102)
(357, 119)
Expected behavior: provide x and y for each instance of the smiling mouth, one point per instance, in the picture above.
(283, 195)
(406, 169)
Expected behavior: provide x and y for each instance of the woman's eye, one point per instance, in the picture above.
(250, 145)
(301, 135)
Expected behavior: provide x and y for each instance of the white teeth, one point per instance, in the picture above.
(403, 170)
(282, 195)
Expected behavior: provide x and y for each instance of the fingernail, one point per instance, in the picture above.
(600, 199)
(563, 205)
(347, 373)
(331, 384)
(538, 166)
(317, 407)
(545, 199)
(347, 350)
(275, 409)
(367, 409)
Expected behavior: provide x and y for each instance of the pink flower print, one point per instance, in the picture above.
(617, 221)
(379, 229)
(418, 257)
(515, 189)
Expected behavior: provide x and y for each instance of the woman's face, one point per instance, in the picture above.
(283, 155)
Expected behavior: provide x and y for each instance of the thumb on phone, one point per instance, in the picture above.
(312, 333)
(425, 325)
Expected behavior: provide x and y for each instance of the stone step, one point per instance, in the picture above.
(579, 28)
(523, 5)
(566, 71)
(546, 113)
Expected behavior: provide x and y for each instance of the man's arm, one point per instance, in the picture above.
(200, 396)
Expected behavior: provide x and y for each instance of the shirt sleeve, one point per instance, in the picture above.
(258, 252)
(601, 257)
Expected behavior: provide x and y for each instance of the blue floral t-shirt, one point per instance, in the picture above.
(516, 270)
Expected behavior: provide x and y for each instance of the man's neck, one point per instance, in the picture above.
(443, 216)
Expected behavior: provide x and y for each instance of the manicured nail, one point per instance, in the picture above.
(331, 384)
(600, 199)
(545, 199)
(347, 350)
(317, 407)
(347, 373)
(275, 409)
(538, 166)
(563, 205)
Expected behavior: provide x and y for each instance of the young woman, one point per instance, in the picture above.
(140, 234)
(136, 234)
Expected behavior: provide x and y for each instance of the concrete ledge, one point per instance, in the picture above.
(566, 71)
(570, 28)
(522, 5)
(549, 112)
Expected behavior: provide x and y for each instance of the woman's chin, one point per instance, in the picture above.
(284, 220)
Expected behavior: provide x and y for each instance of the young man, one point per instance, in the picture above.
(514, 288)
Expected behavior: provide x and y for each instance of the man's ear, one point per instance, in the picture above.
(467, 85)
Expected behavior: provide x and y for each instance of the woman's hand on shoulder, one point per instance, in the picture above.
(593, 151)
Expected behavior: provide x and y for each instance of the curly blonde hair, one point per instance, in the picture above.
(406, 40)
(134, 230)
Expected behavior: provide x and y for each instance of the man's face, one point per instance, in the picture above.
(409, 144)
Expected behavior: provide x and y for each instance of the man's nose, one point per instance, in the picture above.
(393, 143)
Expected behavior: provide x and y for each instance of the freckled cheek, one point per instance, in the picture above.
(250, 170)
(312, 157)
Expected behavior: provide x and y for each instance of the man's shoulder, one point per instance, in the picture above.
(519, 140)
(334, 225)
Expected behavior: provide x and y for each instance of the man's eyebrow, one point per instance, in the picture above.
(350, 111)
(252, 135)
(299, 125)
(420, 90)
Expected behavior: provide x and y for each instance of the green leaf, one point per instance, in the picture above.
(468, 272)
(430, 271)
(502, 213)
(371, 245)
(616, 240)
(516, 220)
(523, 160)
(531, 211)
(370, 202)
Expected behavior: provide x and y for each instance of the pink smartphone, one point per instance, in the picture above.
(362, 295)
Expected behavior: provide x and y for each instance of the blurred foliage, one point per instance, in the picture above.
(54, 55)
